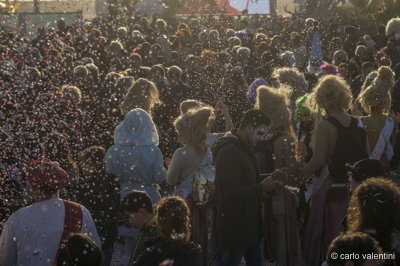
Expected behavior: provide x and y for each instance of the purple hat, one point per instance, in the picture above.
(252, 90)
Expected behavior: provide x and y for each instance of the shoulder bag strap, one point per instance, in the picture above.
(72, 220)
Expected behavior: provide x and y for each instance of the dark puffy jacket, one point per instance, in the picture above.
(238, 194)
(99, 193)
(160, 250)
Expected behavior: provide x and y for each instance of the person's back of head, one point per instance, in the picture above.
(145, 72)
(385, 61)
(143, 94)
(45, 179)
(377, 96)
(348, 249)
(80, 250)
(93, 71)
(57, 148)
(137, 58)
(296, 39)
(87, 60)
(158, 71)
(173, 220)
(361, 50)
(94, 156)
(367, 67)
(351, 31)
(135, 200)
(243, 53)
(373, 207)
(193, 126)
(116, 46)
(80, 71)
(330, 93)
(174, 73)
(340, 56)
(72, 93)
(189, 104)
(366, 168)
(122, 32)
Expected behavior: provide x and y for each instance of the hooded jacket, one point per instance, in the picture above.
(238, 194)
(135, 158)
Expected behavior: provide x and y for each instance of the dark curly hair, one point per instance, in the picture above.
(173, 220)
(374, 205)
(352, 243)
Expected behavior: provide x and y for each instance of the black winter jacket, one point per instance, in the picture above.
(238, 194)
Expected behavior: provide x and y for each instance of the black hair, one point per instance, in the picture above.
(96, 156)
(136, 56)
(255, 118)
(367, 64)
(80, 250)
(135, 200)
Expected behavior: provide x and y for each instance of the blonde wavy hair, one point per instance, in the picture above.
(186, 105)
(377, 96)
(273, 103)
(368, 81)
(143, 94)
(292, 79)
(330, 92)
(393, 26)
(193, 127)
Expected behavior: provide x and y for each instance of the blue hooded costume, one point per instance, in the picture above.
(135, 158)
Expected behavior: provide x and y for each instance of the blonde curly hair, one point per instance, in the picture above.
(193, 127)
(293, 80)
(186, 105)
(273, 103)
(143, 94)
(330, 92)
(377, 96)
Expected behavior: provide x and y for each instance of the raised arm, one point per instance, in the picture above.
(220, 106)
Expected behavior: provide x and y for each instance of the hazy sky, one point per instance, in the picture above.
(261, 7)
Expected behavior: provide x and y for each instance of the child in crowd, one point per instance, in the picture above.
(137, 206)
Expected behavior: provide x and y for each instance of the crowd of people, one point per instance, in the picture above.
(207, 140)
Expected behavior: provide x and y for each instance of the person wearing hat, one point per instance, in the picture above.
(239, 191)
(362, 170)
(33, 235)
